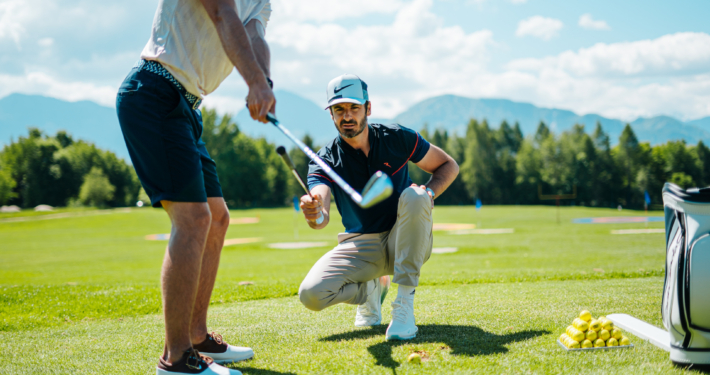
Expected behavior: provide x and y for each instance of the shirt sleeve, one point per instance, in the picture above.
(265, 14)
(415, 144)
(317, 176)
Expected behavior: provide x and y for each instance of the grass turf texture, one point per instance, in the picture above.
(88, 286)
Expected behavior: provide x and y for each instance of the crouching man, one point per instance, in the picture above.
(393, 237)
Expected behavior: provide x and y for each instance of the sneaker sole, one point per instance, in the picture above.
(398, 337)
(225, 361)
(377, 323)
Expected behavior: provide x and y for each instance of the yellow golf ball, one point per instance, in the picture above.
(580, 325)
(595, 325)
(587, 344)
(599, 343)
(414, 358)
(604, 335)
(586, 316)
(616, 333)
(592, 335)
(607, 324)
(612, 342)
(624, 341)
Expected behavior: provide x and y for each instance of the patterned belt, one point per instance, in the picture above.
(156, 68)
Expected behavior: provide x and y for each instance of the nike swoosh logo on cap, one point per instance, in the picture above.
(337, 90)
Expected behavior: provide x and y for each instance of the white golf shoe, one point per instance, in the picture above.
(402, 326)
(221, 352)
(193, 362)
(370, 312)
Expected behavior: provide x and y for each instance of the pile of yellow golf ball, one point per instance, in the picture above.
(587, 332)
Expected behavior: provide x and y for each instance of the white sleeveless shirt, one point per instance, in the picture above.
(185, 41)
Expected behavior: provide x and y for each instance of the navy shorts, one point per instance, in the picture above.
(164, 139)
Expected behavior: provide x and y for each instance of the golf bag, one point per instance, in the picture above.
(686, 291)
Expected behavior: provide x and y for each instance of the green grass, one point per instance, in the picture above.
(85, 290)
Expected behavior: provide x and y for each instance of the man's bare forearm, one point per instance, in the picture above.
(443, 177)
(236, 43)
(256, 32)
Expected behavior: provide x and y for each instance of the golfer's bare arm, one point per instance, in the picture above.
(237, 45)
(256, 32)
(443, 169)
(322, 204)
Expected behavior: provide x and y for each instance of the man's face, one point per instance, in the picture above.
(350, 118)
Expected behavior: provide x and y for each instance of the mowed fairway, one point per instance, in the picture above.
(80, 294)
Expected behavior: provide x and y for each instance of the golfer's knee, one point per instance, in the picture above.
(415, 196)
(220, 219)
(310, 298)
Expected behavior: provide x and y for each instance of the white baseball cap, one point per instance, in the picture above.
(347, 88)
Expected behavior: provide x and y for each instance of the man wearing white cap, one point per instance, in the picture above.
(392, 238)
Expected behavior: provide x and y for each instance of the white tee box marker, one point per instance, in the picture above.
(296, 245)
(643, 330)
(444, 250)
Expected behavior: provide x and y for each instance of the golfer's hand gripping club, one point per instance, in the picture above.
(281, 150)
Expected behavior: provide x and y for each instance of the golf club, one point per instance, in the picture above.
(377, 189)
(281, 150)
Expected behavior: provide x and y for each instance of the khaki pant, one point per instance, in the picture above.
(340, 276)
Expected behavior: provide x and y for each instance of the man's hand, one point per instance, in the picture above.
(311, 208)
(423, 187)
(260, 101)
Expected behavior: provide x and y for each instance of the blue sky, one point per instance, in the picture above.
(621, 59)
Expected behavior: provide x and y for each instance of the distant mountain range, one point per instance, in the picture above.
(90, 121)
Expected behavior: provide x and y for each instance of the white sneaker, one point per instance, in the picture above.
(216, 348)
(370, 312)
(402, 326)
(193, 362)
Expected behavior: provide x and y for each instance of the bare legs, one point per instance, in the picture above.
(210, 264)
(189, 270)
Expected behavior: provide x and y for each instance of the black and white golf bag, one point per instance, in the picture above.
(686, 291)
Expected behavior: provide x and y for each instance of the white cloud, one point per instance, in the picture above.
(45, 42)
(417, 50)
(539, 27)
(13, 13)
(586, 21)
(674, 54)
(667, 75)
(329, 10)
(43, 84)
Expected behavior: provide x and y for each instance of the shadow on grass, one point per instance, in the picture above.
(258, 371)
(461, 339)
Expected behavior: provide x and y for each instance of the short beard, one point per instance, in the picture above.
(355, 132)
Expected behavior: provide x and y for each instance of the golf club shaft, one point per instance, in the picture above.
(287, 159)
(354, 195)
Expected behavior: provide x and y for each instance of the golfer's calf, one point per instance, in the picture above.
(346, 273)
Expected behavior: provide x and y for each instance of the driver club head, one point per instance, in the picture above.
(377, 189)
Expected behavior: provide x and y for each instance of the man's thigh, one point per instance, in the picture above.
(357, 259)
(162, 132)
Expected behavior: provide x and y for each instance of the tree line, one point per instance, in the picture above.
(498, 166)
(501, 166)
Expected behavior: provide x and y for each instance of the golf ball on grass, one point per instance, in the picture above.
(414, 358)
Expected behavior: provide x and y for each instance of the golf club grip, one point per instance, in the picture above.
(287, 160)
(326, 168)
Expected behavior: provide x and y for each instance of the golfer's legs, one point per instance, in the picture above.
(410, 240)
(181, 271)
(210, 264)
(340, 276)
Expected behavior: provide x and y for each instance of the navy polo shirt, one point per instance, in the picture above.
(391, 147)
